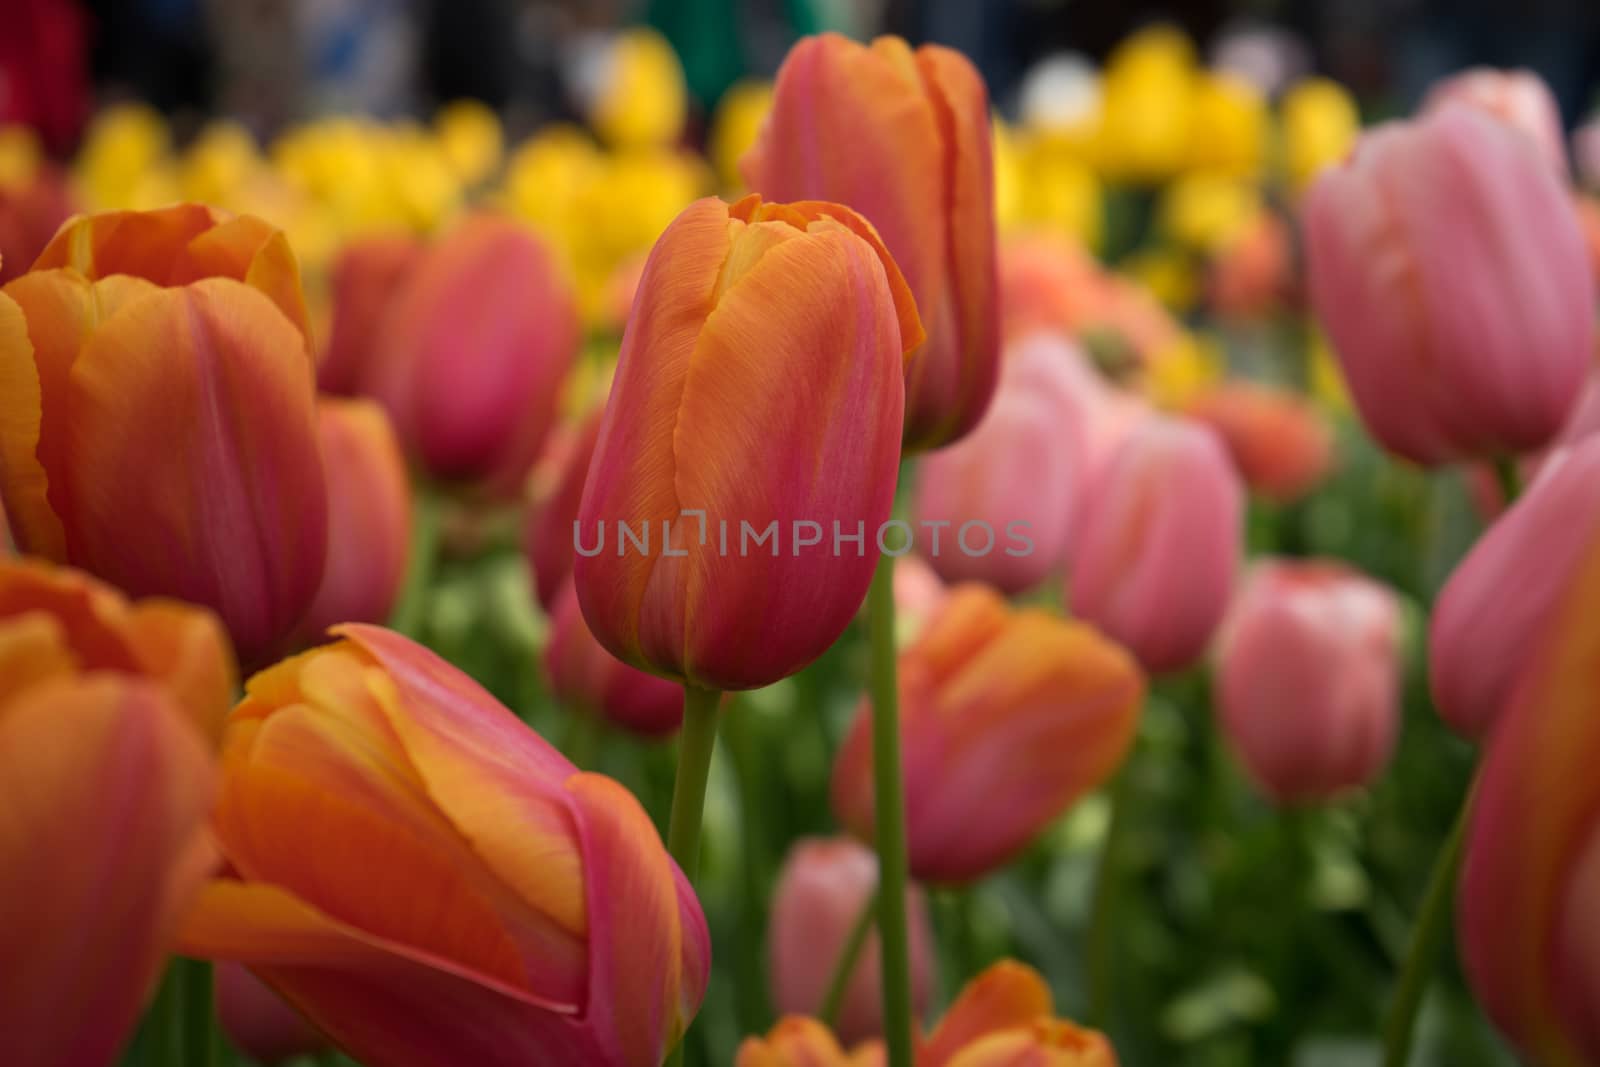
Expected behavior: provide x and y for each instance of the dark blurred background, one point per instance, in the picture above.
(269, 62)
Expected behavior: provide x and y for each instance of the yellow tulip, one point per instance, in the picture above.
(1147, 104)
(738, 120)
(641, 99)
(470, 135)
(1204, 210)
(1229, 126)
(1320, 123)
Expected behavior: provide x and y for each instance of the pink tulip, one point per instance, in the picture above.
(1160, 542)
(366, 276)
(1518, 98)
(369, 516)
(473, 350)
(590, 680)
(258, 1021)
(557, 490)
(1447, 264)
(1527, 925)
(1491, 615)
(1016, 479)
(821, 890)
(1308, 678)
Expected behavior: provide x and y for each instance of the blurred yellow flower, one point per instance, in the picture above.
(473, 142)
(1055, 189)
(124, 161)
(1169, 273)
(20, 155)
(641, 98)
(1320, 123)
(1327, 380)
(740, 113)
(1187, 367)
(219, 164)
(1204, 210)
(1229, 126)
(1148, 98)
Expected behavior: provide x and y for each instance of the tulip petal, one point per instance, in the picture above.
(1007, 995)
(254, 252)
(24, 486)
(33, 647)
(825, 434)
(62, 845)
(146, 244)
(193, 409)
(649, 949)
(186, 648)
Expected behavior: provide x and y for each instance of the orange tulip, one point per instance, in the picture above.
(1006, 718)
(108, 782)
(369, 516)
(1002, 1018)
(472, 352)
(73, 623)
(159, 425)
(428, 882)
(760, 384)
(903, 137)
(1280, 443)
(366, 275)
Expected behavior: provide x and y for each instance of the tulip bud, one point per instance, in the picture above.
(541, 920)
(1018, 474)
(797, 1041)
(1004, 1017)
(1320, 123)
(1491, 615)
(904, 138)
(258, 1022)
(1531, 871)
(821, 891)
(751, 436)
(1280, 443)
(1006, 718)
(366, 275)
(590, 680)
(369, 516)
(557, 491)
(1308, 678)
(1447, 265)
(162, 432)
(1160, 543)
(473, 350)
(1518, 98)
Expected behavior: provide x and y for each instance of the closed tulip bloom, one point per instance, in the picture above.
(1447, 265)
(1491, 615)
(1531, 872)
(473, 350)
(798, 1041)
(903, 137)
(821, 891)
(1160, 543)
(429, 883)
(369, 516)
(161, 426)
(590, 680)
(366, 275)
(1004, 1018)
(1019, 474)
(257, 1020)
(1280, 442)
(1006, 718)
(556, 493)
(74, 623)
(1308, 678)
(1518, 98)
(761, 383)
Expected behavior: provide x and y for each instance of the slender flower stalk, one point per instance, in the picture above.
(845, 965)
(1102, 914)
(695, 746)
(891, 816)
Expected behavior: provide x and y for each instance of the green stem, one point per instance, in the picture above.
(163, 1028)
(845, 965)
(1427, 940)
(744, 744)
(410, 610)
(201, 1037)
(1509, 475)
(582, 745)
(889, 803)
(696, 742)
(1102, 914)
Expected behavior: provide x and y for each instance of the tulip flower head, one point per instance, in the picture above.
(161, 426)
(1308, 678)
(1448, 267)
(904, 138)
(427, 881)
(1492, 615)
(821, 890)
(366, 276)
(1518, 98)
(1006, 718)
(1526, 917)
(1160, 542)
(750, 437)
